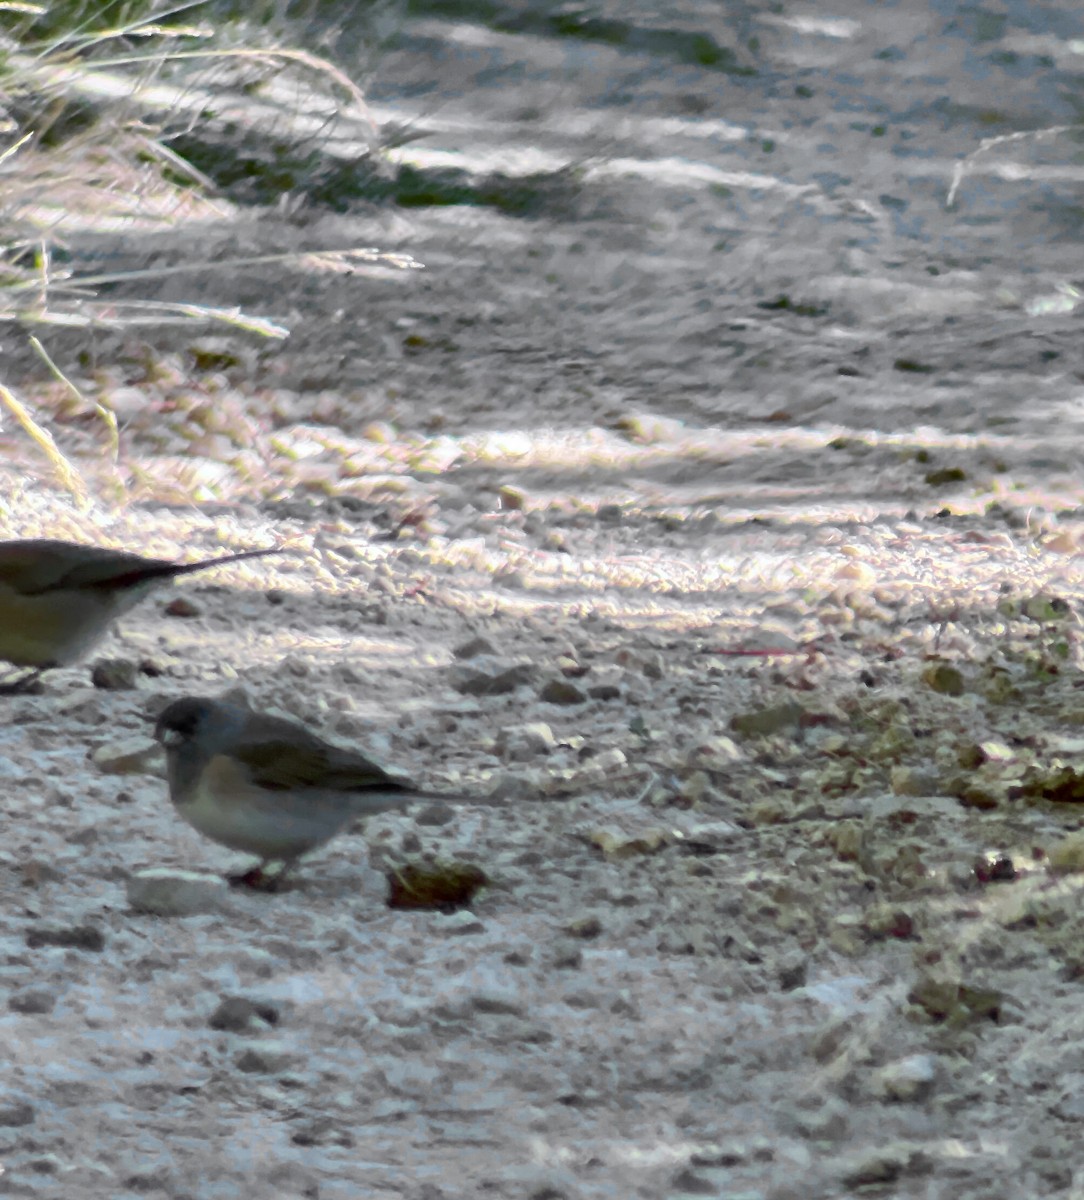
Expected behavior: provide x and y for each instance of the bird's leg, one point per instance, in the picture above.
(24, 685)
(257, 878)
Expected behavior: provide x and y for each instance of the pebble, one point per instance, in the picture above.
(114, 674)
(474, 648)
(239, 1014)
(763, 721)
(652, 666)
(882, 1165)
(71, 937)
(32, 1000)
(715, 753)
(563, 692)
(792, 971)
(14, 1113)
(820, 1118)
(435, 814)
(567, 956)
(489, 677)
(182, 606)
(265, 1058)
(166, 892)
(129, 757)
(518, 742)
(497, 1002)
(910, 1079)
(690, 1183)
(461, 922)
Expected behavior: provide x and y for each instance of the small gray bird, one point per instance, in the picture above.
(267, 786)
(57, 599)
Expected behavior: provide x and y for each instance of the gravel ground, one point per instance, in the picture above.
(704, 526)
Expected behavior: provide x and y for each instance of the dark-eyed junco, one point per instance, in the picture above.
(58, 598)
(267, 786)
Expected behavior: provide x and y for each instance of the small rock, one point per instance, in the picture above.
(974, 754)
(888, 921)
(945, 679)
(493, 1002)
(182, 606)
(518, 742)
(73, 937)
(165, 892)
(617, 845)
(764, 721)
(381, 432)
(883, 1165)
(16, 1113)
(609, 760)
(910, 1079)
(114, 674)
(265, 1058)
(689, 1183)
(239, 1014)
(32, 1000)
(489, 677)
(652, 666)
(513, 499)
(1067, 856)
(288, 1179)
(46, 1164)
(609, 514)
(646, 427)
(562, 691)
(914, 781)
(847, 838)
(1043, 608)
(792, 972)
(567, 956)
(732, 1154)
(820, 1118)
(995, 867)
(604, 691)
(474, 648)
(584, 927)
(437, 813)
(462, 922)
(716, 753)
(857, 572)
(132, 756)
(511, 786)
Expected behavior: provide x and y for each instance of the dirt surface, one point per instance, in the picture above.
(714, 519)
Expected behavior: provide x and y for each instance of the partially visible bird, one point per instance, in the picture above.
(57, 599)
(267, 786)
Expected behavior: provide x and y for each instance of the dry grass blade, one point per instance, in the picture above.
(312, 61)
(961, 169)
(326, 259)
(43, 439)
(108, 417)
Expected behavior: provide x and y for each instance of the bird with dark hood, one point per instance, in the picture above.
(267, 786)
(59, 599)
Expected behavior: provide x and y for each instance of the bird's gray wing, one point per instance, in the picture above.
(40, 565)
(281, 762)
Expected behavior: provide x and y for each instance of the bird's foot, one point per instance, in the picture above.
(257, 879)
